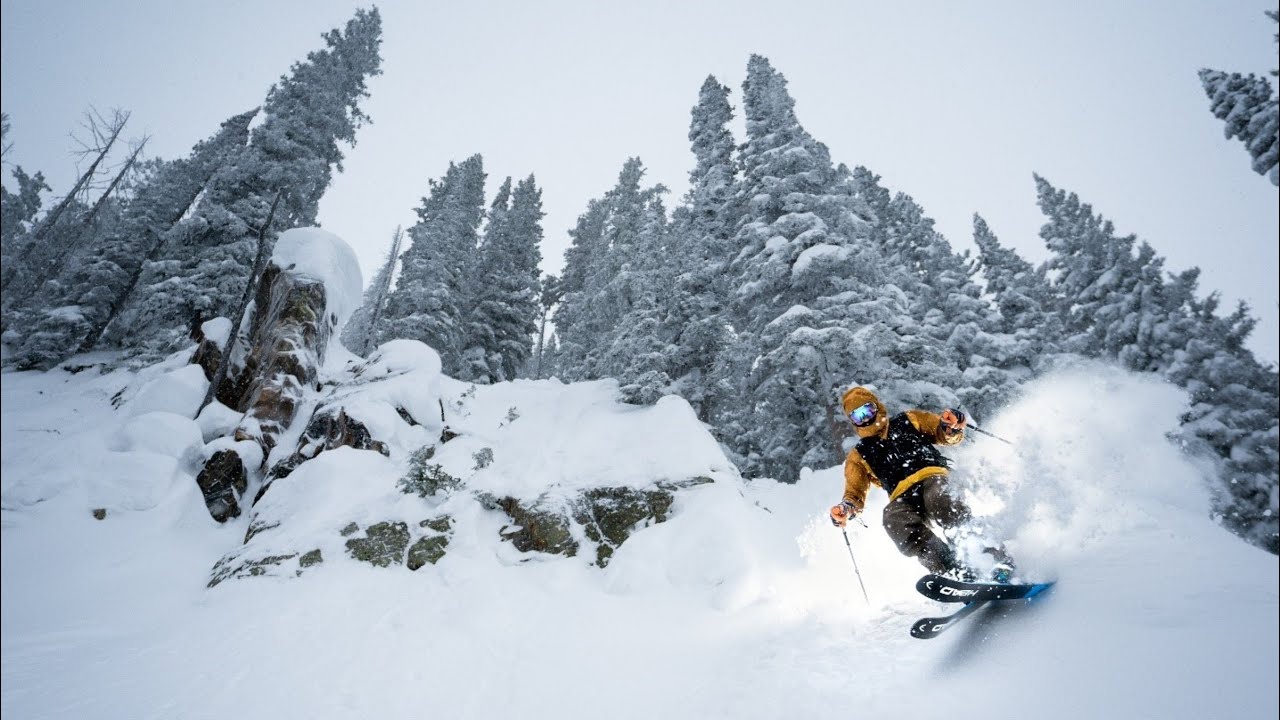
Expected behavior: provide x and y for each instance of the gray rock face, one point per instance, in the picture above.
(607, 516)
(383, 544)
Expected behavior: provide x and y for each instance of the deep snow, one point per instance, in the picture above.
(743, 605)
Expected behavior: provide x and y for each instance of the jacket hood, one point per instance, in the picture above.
(859, 396)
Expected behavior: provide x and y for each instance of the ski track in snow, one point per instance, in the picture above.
(743, 605)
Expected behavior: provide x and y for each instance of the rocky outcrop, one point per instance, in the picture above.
(288, 335)
(606, 517)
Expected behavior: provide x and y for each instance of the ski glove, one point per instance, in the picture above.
(841, 513)
(953, 421)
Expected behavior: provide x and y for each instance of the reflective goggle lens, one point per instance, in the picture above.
(863, 414)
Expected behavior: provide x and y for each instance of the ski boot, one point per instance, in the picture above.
(1002, 573)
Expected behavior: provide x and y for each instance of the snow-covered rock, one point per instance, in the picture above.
(177, 391)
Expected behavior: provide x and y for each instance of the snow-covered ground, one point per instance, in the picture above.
(743, 605)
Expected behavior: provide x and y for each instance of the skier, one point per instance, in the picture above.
(898, 453)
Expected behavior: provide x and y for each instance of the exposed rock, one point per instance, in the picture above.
(330, 427)
(383, 544)
(312, 558)
(226, 569)
(256, 527)
(99, 513)
(350, 529)
(442, 524)
(427, 550)
(538, 527)
(608, 516)
(287, 339)
(222, 479)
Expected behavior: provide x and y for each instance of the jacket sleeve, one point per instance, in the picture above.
(857, 480)
(931, 426)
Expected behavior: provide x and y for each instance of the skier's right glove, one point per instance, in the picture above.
(953, 421)
(841, 513)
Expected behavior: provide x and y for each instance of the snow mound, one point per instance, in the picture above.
(321, 255)
(177, 391)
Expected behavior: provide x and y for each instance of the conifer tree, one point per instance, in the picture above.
(606, 273)
(429, 301)
(359, 332)
(693, 311)
(1026, 307)
(18, 210)
(1248, 106)
(504, 303)
(804, 230)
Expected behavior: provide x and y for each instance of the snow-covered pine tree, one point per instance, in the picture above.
(1028, 320)
(803, 229)
(1248, 106)
(437, 269)
(639, 348)
(18, 210)
(75, 309)
(504, 302)
(605, 272)
(307, 116)
(359, 332)
(693, 309)
(573, 315)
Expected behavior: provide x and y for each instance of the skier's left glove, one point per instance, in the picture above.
(841, 513)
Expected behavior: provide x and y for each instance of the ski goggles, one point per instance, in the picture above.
(863, 415)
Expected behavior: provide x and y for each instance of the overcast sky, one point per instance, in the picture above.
(956, 104)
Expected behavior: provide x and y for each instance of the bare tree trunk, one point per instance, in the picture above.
(542, 336)
(128, 165)
(376, 313)
(114, 128)
(258, 263)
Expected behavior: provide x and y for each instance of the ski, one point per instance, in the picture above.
(945, 589)
(931, 627)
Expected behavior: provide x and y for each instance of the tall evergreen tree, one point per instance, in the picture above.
(18, 210)
(307, 116)
(606, 273)
(504, 302)
(804, 231)
(1025, 304)
(359, 332)
(693, 309)
(428, 303)
(1248, 106)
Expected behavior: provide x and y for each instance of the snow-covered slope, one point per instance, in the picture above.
(742, 605)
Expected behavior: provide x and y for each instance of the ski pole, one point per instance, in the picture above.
(855, 565)
(990, 435)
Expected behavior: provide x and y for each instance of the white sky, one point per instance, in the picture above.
(955, 104)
